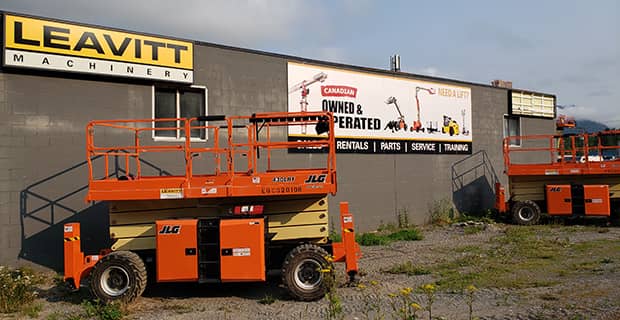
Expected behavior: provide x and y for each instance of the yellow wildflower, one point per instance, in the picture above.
(428, 287)
(416, 306)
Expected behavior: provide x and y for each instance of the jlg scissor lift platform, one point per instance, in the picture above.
(231, 216)
(568, 175)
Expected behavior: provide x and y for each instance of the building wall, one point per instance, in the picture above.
(42, 120)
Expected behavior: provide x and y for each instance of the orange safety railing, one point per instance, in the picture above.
(221, 144)
(596, 153)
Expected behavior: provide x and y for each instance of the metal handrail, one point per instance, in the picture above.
(250, 147)
(485, 163)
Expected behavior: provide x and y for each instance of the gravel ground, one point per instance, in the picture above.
(591, 295)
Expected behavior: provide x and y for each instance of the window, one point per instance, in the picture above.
(533, 104)
(178, 103)
(512, 127)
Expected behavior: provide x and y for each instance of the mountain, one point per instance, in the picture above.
(587, 126)
(590, 125)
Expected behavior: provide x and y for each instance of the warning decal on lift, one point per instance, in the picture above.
(171, 193)
(241, 252)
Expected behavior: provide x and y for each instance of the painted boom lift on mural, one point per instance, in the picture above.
(229, 220)
(304, 87)
(417, 124)
(562, 175)
(400, 123)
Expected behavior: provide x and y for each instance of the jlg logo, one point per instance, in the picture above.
(316, 178)
(170, 230)
(555, 189)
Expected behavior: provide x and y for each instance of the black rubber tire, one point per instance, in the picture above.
(451, 131)
(525, 213)
(310, 262)
(124, 266)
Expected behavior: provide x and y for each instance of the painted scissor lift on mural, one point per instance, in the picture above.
(233, 224)
(565, 175)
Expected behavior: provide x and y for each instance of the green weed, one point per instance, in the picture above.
(473, 229)
(382, 238)
(32, 310)
(18, 288)
(267, 299)
(524, 257)
(372, 239)
(408, 268)
(411, 234)
(441, 212)
(177, 308)
(102, 311)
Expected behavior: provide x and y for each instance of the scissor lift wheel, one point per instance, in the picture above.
(118, 276)
(307, 273)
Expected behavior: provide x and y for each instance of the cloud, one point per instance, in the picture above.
(430, 71)
(600, 93)
(332, 54)
(245, 23)
(498, 36)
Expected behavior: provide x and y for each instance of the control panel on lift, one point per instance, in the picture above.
(577, 199)
(211, 250)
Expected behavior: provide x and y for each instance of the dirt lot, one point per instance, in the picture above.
(542, 272)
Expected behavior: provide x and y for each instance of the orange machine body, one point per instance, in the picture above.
(235, 168)
(596, 198)
(177, 250)
(347, 251)
(589, 200)
(565, 175)
(228, 246)
(559, 199)
(76, 264)
(242, 250)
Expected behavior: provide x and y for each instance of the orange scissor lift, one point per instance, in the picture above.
(234, 223)
(570, 175)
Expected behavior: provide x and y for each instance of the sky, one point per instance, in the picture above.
(569, 48)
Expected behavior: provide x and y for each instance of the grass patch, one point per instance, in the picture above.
(18, 288)
(384, 238)
(408, 268)
(177, 308)
(406, 235)
(473, 229)
(372, 239)
(267, 300)
(525, 257)
(32, 310)
(102, 311)
(441, 212)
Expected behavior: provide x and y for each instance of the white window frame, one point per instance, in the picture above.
(505, 124)
(178, 112)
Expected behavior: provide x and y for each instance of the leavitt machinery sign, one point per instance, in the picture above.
(57, 46)
(382, 114)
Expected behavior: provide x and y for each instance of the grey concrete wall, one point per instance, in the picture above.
(42, 122)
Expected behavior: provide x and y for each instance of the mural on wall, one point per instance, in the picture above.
(380, 113)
